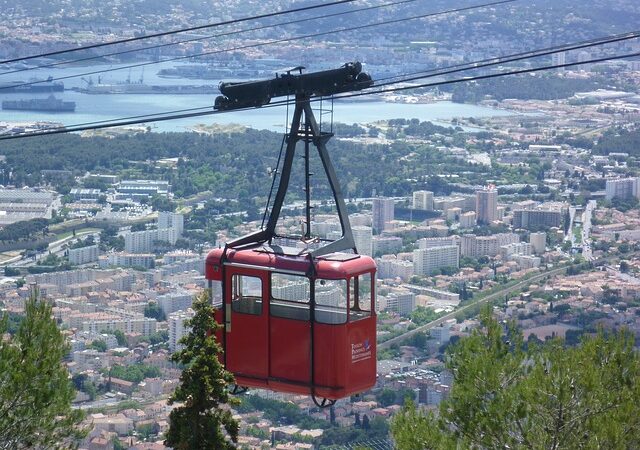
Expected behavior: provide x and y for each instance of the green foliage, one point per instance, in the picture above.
(377, 428)
(386, 397)
(109, 239)
(624, 204)
(423, 315)
(522, 87)
(619, 139)
(11, 272)
(120, 337)
(413, 429)
(154, 311)
(507, 394)
(285, 413)
(134, 372)
(12, 322)
(200, 422)
(81, 243)
(82, 383)
(35, 389)
(24, 230)
(128, 404)
(99, 345)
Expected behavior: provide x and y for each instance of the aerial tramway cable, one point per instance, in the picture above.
(270, 42)
(202, 111)
(496, 60)
(198, 39)
(181, 30)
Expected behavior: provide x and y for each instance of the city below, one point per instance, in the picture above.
(517, 195)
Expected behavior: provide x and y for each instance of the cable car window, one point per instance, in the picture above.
(289, 296)
(215, 293)
(331, 301)
(360, 297)
(246, 294)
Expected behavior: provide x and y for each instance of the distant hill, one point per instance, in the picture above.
(534, 22)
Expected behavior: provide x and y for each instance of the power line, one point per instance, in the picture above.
(229, 33)
(434, 73)
(271, 42)
(509, 58)
(515, 57)
(493, 75)
(181, 30)
(70, 129)
(426, 74)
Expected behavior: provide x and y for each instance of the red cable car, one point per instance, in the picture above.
(298, 321)
(287, 331)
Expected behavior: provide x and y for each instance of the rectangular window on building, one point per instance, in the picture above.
(289, 296)
(246, 294)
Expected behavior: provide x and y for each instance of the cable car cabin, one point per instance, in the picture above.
(290, 332)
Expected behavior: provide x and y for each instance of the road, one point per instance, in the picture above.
(586, 230)
(488, 298)
(54, 247)
(570, 236)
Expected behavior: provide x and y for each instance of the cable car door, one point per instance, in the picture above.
(247, 323)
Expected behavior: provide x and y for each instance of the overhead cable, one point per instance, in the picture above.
(264, 43)
(112, 124)
(180, 30)
(201, 38)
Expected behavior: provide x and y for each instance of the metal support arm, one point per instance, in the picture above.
(319, 139)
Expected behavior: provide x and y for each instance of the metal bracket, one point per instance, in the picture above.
(314, 135)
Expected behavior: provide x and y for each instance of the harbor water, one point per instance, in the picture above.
(100, 107)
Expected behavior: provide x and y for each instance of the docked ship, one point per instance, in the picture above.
(140, 88)
(38, 86)
(50, 104)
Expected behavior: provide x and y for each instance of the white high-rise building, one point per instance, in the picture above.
(468, 219)
(558, 59)
(143, 241)
(174, 301)
(622, 188)
(391, 267)
(83, 255)
(423, 200)
(401, 301)
(363, 240)
(383, 213)
(359, 219)
(386, 244)
(487, 205)
(171, 220)
(476, 246)
(177, 328)
(538, 242)
(427, 260)
(437, 242)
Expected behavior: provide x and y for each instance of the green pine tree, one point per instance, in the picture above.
(201, 421)
(507, 394)
(35, 388)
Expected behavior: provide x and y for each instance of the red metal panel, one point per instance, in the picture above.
(290, 349)
(345, 358)
(324, 268)
(330, 350)
(212, 266)
(248, 339)
(361, 360)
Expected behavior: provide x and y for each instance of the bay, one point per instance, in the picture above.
(91, 108)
